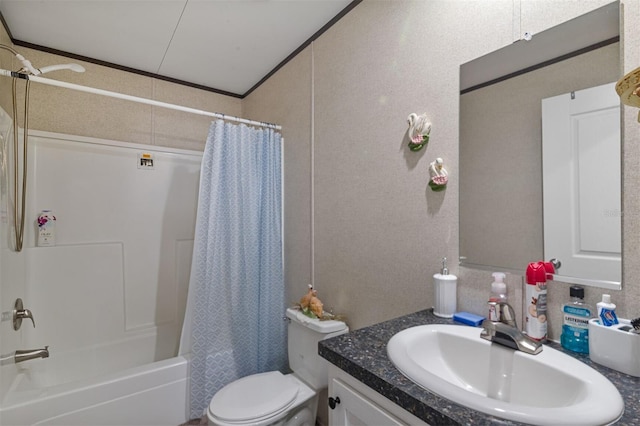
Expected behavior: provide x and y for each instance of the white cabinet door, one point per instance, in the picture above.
(356, 410)
(581, 169)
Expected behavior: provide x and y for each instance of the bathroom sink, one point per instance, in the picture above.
(550, 388)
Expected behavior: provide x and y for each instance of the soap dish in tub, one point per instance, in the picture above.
(615, 347)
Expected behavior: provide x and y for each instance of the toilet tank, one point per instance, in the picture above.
(304, 333)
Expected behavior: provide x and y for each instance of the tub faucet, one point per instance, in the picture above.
(505, 331)
(26, 355)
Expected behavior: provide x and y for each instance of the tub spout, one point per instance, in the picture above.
(26, 355)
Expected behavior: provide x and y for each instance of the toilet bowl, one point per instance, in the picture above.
(264, 399)
(276, 399)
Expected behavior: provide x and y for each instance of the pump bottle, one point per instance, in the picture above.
(444, 285)
(498, 294)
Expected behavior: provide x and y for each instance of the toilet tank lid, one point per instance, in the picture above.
(315, 324)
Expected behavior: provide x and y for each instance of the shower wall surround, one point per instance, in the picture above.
(125, 238)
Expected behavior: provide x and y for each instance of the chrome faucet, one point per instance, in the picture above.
(505, 331)
(26, 355)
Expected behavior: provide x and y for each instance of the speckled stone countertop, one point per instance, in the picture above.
(363, 354)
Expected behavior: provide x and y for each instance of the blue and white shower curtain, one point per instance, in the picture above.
(236, 289)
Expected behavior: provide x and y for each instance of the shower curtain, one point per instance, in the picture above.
(236, 289)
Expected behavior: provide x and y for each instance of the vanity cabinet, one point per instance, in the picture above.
(355, 404)
(354, 409)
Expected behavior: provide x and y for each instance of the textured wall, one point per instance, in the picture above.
(286, 99)
(379, 232)
(67, 111)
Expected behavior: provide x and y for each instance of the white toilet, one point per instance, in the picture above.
(274, 398)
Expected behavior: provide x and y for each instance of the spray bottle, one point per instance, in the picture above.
(536, 301)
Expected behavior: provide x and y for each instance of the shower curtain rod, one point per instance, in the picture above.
(117, 95)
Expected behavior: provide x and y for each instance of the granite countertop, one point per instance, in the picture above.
(363, 354)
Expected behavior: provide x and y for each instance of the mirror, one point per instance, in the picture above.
(501, 172)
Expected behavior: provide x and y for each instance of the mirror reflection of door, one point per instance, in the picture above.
(581, 188)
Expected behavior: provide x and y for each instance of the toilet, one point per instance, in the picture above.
(277, 399)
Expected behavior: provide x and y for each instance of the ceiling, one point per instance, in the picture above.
(226, 45)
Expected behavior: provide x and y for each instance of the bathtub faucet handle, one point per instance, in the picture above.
(19, 313)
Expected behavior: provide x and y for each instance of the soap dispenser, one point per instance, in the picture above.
(445, 292)
(498, 294)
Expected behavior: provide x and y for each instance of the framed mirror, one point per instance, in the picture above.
(502, 175)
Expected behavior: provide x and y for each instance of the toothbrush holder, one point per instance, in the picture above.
(615, 347)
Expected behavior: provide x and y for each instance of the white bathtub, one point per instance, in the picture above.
(153, 394)
(109, 298)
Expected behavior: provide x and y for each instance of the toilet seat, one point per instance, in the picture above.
(254, 398)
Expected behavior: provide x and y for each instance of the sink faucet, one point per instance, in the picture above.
(505, 331)
(26, 355)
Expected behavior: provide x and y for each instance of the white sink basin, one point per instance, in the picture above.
(550, 388)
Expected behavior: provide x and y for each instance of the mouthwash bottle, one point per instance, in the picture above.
(575, 326)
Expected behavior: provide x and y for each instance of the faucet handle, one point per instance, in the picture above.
(19, 313)
(507, 314)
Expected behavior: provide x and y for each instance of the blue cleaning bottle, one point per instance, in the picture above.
(575, 322)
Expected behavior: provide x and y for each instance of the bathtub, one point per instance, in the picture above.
(152, 394)
(109, 298)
